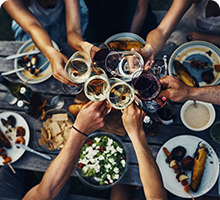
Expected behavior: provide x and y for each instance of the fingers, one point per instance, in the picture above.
(148, 65)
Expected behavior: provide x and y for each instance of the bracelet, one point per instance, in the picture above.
(79, 131)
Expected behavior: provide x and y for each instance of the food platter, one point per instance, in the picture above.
(199, 51)
(46, 71)
(14, 152)
(125, 36)
(211, 168)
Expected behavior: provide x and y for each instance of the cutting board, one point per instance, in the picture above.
(113, 121)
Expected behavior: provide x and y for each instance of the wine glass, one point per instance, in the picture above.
(148, 88)
(77, 70)
(120, 94)
(123, 64)
(98, 53)
(97, 85)
(159, 68)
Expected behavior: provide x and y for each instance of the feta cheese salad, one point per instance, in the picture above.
(102, 160)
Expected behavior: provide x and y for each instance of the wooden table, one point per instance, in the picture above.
(52, 86)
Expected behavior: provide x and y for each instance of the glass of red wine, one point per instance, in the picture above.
(98, 53)
(147, 87)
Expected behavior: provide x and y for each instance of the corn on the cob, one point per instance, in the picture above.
(198, 167)
(183, 74)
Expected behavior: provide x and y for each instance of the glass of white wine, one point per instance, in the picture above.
(77, 70)
(120, 94)
(97, 85)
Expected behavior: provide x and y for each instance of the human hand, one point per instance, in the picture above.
(58, 61)
(174, 89)
(132, 119)
(91, 117)
(197, 36)
(147, 52)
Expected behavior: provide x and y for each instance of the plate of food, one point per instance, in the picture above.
(103, 161)
(33, 62)
(125, 41)
(13, 127)
(201, 59)
(180, 171)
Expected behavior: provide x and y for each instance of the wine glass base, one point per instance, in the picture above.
(73, 90)
(57, 102)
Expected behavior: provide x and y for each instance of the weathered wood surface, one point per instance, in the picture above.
(52, 86)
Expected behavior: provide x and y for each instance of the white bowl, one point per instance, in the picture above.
(195, 117)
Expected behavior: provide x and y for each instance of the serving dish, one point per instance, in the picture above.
(52, 130)
(103, 161)
(125, 37)
(190, 143)
(198, 51)
(14, 152)
(45, 72)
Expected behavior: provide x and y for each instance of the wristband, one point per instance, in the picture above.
(79, 131)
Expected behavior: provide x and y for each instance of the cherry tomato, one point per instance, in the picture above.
(80, 165)
(101, 149)
(90, 142)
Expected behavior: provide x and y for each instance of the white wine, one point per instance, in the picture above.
(120, 95)
(96, 87)
(78, 70)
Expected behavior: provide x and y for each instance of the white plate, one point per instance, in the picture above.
(14, 152)
(46, 71)
(199, 51)
(211, 171)
(210, 108)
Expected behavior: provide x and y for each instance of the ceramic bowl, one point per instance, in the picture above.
(48, 138)
(102, 163)
(197, 119)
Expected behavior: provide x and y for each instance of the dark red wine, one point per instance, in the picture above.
(146, 84)
(101, 55)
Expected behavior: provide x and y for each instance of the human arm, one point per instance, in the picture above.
(89, 119)
(21, 14)
(214, 39)
(139, 16)
(133, 122)
(156, 39)
(74, 33)
(176, 90)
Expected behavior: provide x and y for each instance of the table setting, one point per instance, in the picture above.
(119, 88)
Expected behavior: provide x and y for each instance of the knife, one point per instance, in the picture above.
(36, 51)
(33, 151)
(218, 154)
(13, 71)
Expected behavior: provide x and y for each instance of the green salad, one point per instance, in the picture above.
(102, 160)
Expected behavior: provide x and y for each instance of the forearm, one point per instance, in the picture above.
(209, 94)
(60, 169)
(148, 168)
(214, 39)
(139, 16)
(77, 43)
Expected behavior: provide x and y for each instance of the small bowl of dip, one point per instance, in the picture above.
(197, 118)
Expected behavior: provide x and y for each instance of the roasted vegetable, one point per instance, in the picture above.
(184, 75)
(4, 142)
(198, 167)
(180, 176)
(178, 153)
